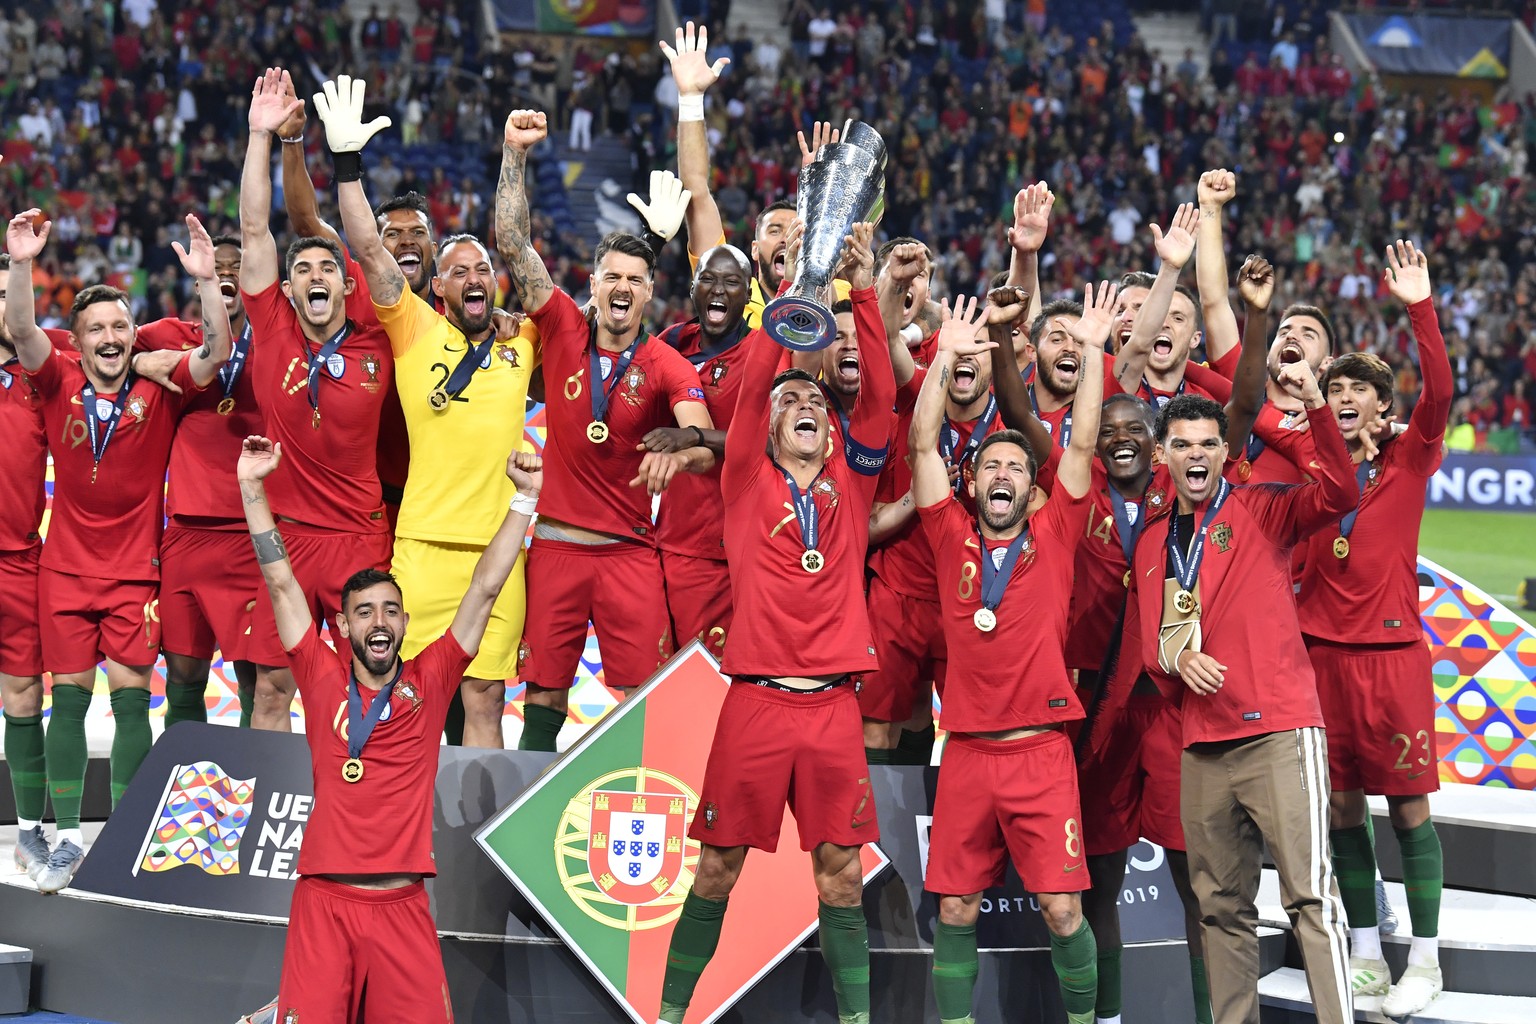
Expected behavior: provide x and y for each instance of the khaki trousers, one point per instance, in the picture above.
(1236, 797)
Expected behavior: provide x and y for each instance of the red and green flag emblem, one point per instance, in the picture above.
(599, 847)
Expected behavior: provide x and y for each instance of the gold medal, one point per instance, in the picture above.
(597, 431)
(314, 421)
(1341, 547)
(226, 406)
(985, 619)
(438, 399)
(1244, 470)
(1184, 602)
(1127, 580)
(352, 770)
(812, 562)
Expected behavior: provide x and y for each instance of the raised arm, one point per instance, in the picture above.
(500, 555)
(1031, 221)
(957, 337)
(746, 439)
(1334, 489)
(1075, 473)
(1174, 249)
(24, 239)
(694, 75)
(258, 249)
(258, 458)
(340, 107)
(1407, 276)
(873, 410)
(298, 187)
(901, 268)
(204, 362)
(1216, 189)
(1256, 284)
(524, 130)
(1008, 385)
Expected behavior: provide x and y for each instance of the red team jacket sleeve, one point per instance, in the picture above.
(870, 423)
(1295, 511)
(1211, 381)
(559, 320)
(168, 334)
(1227, 364)
(441, 666)
(1426, 427)
(49, 377)
(747, 436)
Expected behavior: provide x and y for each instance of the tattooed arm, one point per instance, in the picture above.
(204, 363)
(524, 130)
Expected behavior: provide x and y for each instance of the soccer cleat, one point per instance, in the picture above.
(1414, 991)
(1368, 977)
(1386, 920)
(62, 864)
(31, 851)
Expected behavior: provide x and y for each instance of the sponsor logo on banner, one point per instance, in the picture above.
(201, 821)
(1503, 483)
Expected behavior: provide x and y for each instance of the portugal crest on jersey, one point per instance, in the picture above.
(507, 354)
(634, 380)
(137, 407)
(1221, 536)
(717, 372)
(370, 364)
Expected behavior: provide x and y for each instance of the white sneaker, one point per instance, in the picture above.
(1369, 977)
(62, 864)
(1415, 990)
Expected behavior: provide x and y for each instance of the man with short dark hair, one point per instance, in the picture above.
(98, 587)
(593, 556)
(360, 925)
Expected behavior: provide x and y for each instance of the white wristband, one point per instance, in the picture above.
(527, 504)
(690, 108)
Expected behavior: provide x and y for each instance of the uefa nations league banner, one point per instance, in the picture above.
(1488, 483)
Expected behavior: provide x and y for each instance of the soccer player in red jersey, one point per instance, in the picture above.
(610, 383)
(322, 367)
(208, 583)
(110, 433)
(1359, 604)
(1213, 592)
(360, 921)
(24, 465)
(1008, 784)
(796, 532)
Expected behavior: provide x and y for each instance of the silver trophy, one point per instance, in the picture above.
(845, 184)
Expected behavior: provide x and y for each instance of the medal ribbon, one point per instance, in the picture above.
(994, 577)
(601, 391)
(1362, 474)
(804, 504)
(948, 435)
(1157, 400)
(319, 359)
(474, 355)
(1066, 421)
(1187, 569)
(100, 437)
(861, 458)
(1129, 532)
(359, 726)
(1254, 448)
(229, 373)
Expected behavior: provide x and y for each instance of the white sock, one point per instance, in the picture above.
(1365, 943)
(73, 835)
(1107, 1020)
(1424, 952)
(26, 824)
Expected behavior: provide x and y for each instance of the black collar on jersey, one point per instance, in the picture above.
(673, 337)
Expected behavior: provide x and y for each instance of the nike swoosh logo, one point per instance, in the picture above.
(861, 824)
(1414, 775)
(1070, 868)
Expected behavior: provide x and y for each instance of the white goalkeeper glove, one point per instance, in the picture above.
(669, 202)
(339, 105)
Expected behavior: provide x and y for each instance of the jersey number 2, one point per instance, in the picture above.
(442, 382)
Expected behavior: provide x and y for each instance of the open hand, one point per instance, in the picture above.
(691, 68)
(27, 234)
(1031, 217)
(1176, 245)
(271, 103)
(1407, 272)
(198, 262)
(822, 133)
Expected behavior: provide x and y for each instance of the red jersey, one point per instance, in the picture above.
(1248, 612)
(23, 459)
(789, 622)
(587, 484)
(1278, 450)
(381, 824)
(1371, 596)
(692, 516)
(1198, 380)
(329, 478)
(1100, 579)
(108, 527)
(203, 484)
(1014, 676)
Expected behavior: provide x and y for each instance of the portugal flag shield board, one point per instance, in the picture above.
(599, 846)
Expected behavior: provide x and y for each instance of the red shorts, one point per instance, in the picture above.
(344, 941)
(21, 642)
(698, 599)
(209, 586)
(1379, 709)
(322, 563)
(1131, 791)
(85, 619)
(1006, 798)
(909, 644)
(614, 586)
(771, 747)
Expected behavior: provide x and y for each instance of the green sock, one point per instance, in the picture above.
(845, 948)
(1354, 865)
(247, 704)
(878, 755)
(1423, 877)
(1202, 988)
(955, 963)
(185, 703)
(131, 738)
(453, 727)
(64, 746)
(1109, 999)
(1076, 959)
(694, 939)
(915, 747)
(28, 764)
(541, 727)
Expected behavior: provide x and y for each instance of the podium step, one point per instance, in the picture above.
(1488, 833)
(15, 978)
(1284, 999)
